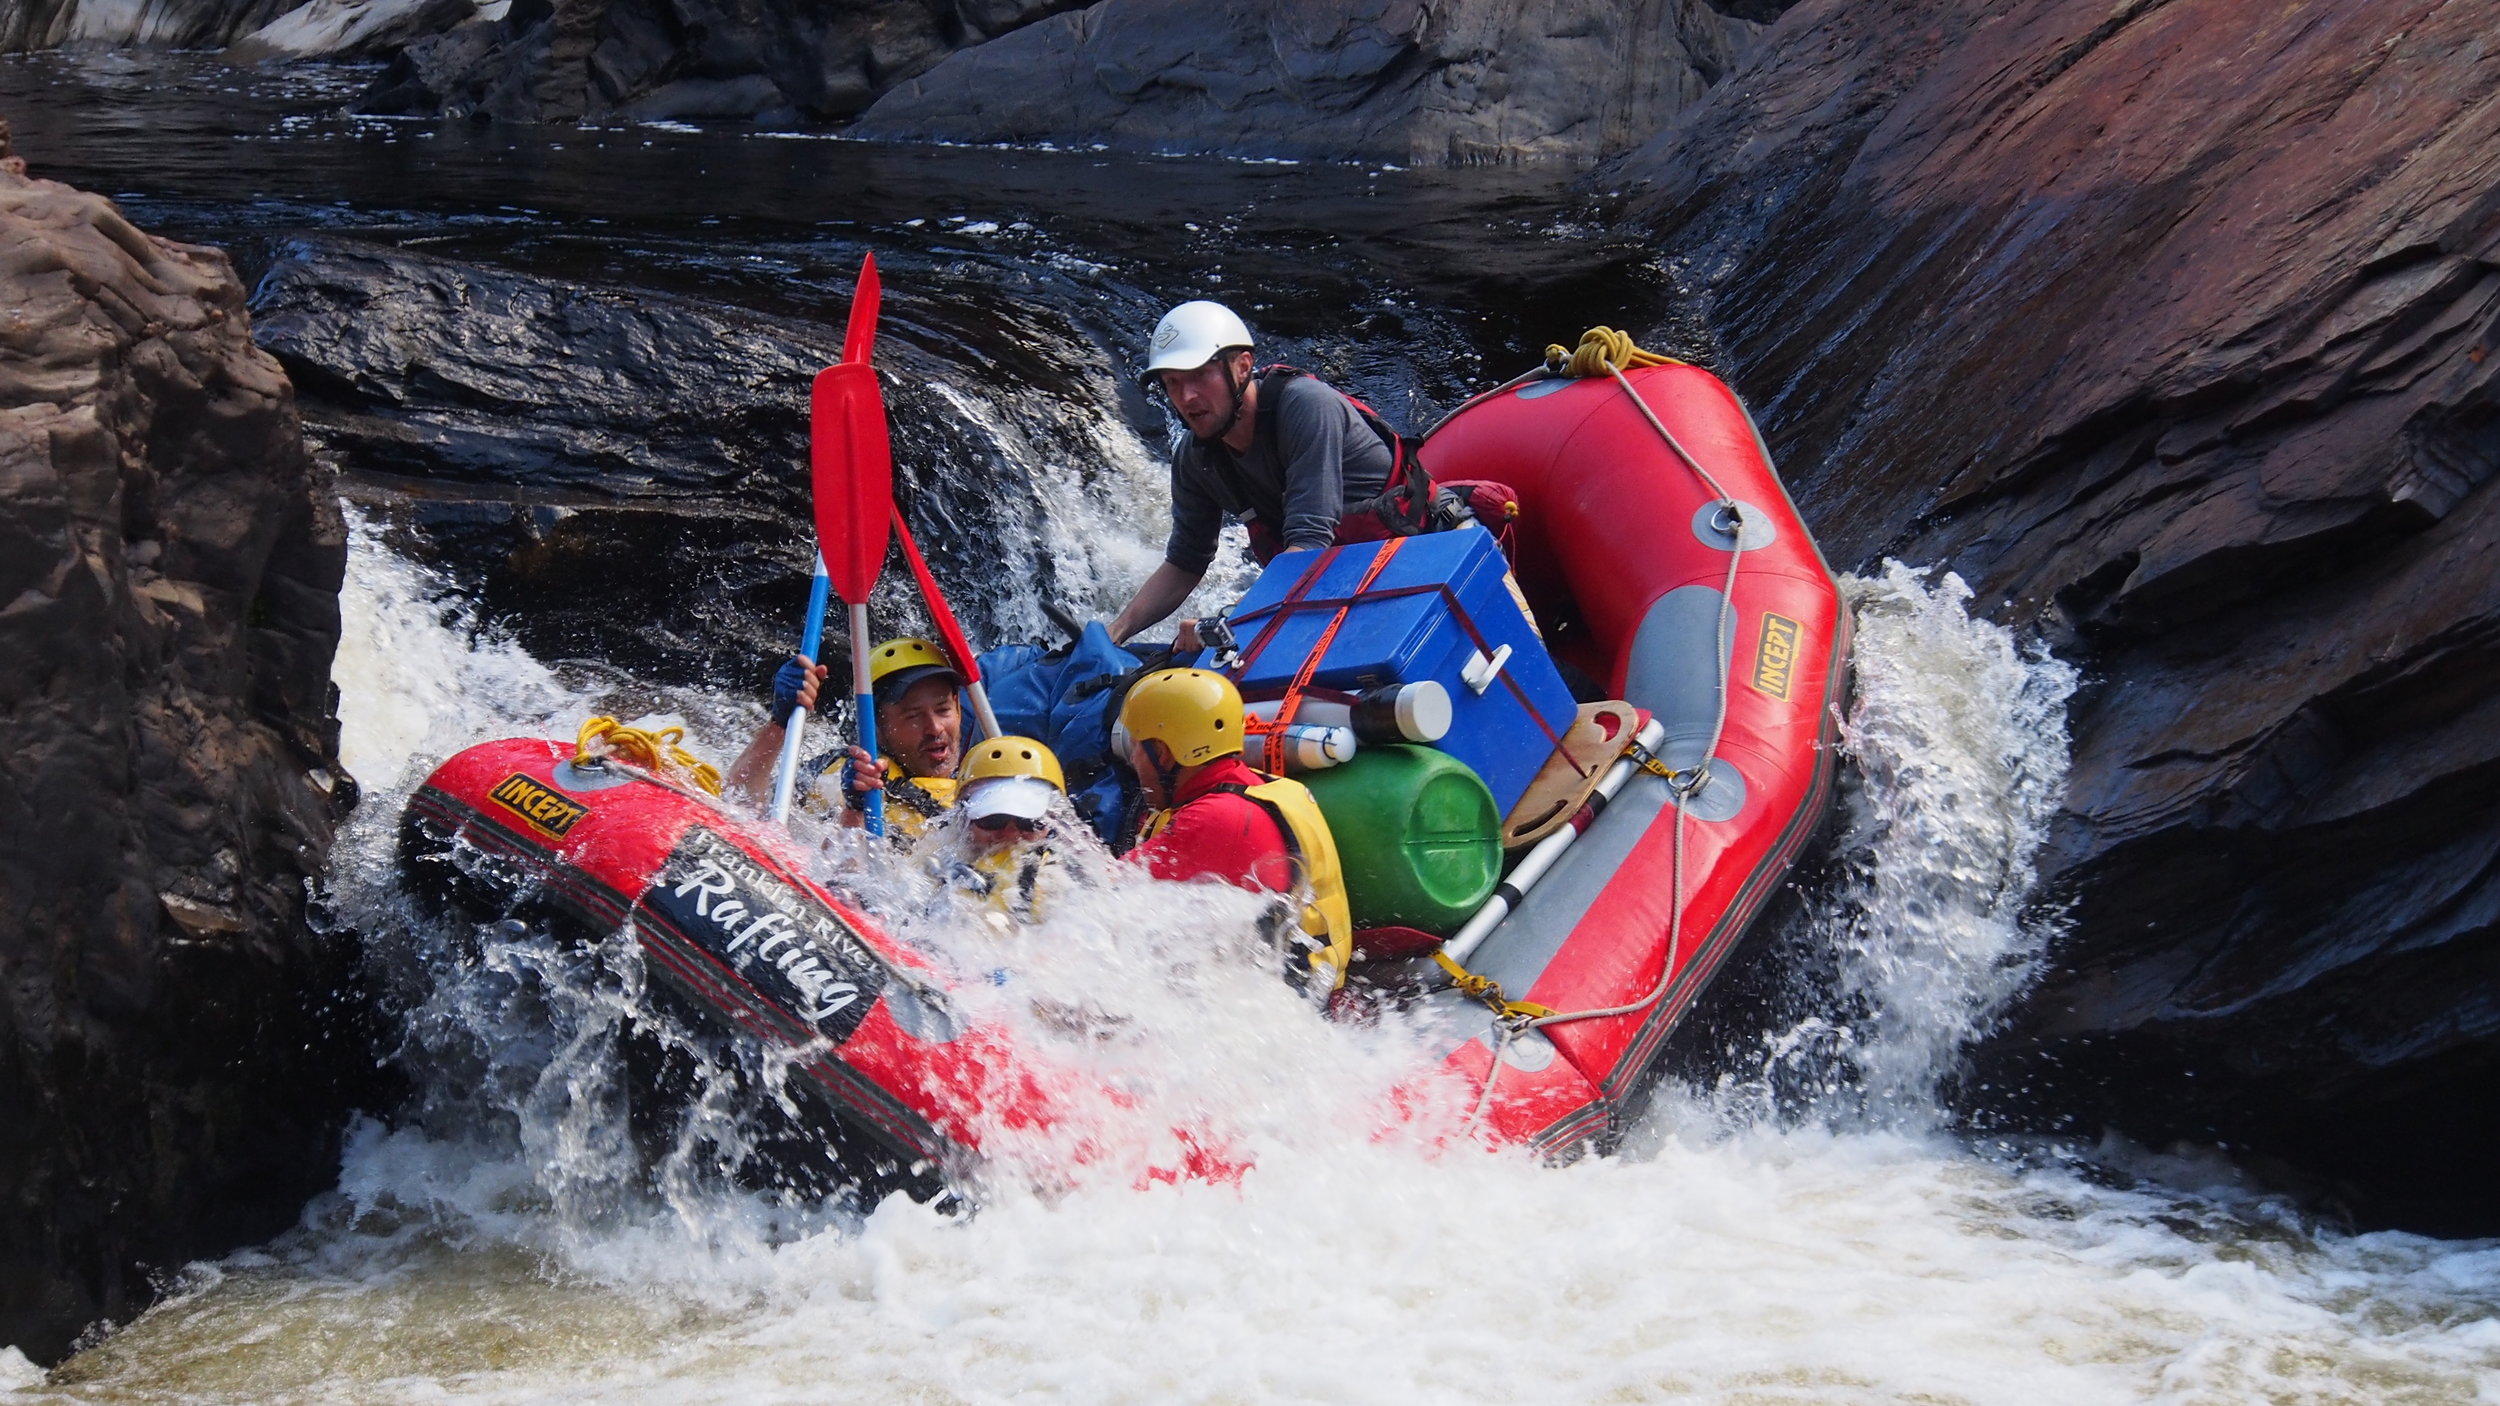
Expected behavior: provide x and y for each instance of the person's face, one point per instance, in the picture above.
(1204, 397)
(992, 833)
(923, 730)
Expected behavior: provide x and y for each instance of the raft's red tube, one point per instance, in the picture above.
(1617, 553)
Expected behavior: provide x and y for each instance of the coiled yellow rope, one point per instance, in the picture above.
(656, 752)
(1602, 351)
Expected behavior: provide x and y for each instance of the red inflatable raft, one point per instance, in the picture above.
(1727, 628)
(1664, 561)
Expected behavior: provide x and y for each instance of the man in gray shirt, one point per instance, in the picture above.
(1286, 452)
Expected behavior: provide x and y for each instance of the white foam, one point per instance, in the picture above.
(1841, 1260)
(417, 677)
(1782, 1266)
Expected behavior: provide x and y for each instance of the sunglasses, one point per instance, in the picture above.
(997, 823)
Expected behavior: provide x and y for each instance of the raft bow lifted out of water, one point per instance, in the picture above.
(1663, 559)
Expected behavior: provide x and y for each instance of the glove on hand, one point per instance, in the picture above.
(786, 685)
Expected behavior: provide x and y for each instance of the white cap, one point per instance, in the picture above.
(1191, 335)
(1024, 797)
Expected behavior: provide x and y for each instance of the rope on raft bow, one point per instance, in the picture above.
(606, 739)
(1602, 352)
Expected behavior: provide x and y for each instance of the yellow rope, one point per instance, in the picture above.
(1602, 351)
(654, 752)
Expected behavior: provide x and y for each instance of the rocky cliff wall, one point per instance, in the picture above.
(173, 24)
(652, 59)
(172, 1076)
(1378, 80)
(2171, 326)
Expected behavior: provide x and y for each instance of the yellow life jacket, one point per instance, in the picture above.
(911, 802)
(1011, 880)
(1325, 919)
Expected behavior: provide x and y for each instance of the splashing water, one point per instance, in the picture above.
(415, 676)
(492, 1246)
(1960, 739)
(1956, 738)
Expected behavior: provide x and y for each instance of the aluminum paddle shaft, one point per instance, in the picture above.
(811, 648)
(1540, 860)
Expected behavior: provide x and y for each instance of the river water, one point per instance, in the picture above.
(1798, 1223)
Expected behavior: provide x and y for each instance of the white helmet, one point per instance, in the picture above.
(1190, 336)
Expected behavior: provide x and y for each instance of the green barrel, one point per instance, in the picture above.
(1417, 833)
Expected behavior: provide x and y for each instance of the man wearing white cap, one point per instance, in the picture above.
(1003, 802)
(1298, 461)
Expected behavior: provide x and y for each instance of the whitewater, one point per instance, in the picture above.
(1805, 1227)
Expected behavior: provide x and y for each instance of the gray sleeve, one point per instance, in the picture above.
(1311, 430)
(1196, 516)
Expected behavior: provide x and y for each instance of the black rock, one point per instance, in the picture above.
(2196, 376)
(624, 474)
(653, 59)
(1383, 80)
(178, 1051)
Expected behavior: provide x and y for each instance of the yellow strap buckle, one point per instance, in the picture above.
(1648, 761)
(1489, 991)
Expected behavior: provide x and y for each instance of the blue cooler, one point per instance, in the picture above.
(1440, 605)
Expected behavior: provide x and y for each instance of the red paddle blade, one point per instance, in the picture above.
(852, 457)
(948, 630)
(862, 333)
(851, 453)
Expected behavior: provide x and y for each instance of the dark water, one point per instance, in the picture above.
(196, 149)
(1019, 285)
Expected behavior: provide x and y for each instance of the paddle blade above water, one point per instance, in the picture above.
(852, 457)
(851, 453)
(939, 613)
(861, 335)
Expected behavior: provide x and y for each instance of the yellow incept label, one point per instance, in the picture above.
(1775, 658)
(550, 813)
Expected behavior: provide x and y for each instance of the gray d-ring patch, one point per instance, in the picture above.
(1548, 386)
(1711, 526)
(584, 780)
(1722, 798)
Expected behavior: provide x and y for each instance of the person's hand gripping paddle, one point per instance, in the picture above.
(851, 456)
(811, 647)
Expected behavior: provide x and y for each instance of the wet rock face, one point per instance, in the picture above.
(348, 29)
(175, 24)
(256, 30)
(1383, 80)
(560, 440)
(2171, 327)
(171, 1078)
(623, 474)
(656, 59)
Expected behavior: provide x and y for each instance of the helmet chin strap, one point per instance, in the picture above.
(1167, 771)
(1238, 386)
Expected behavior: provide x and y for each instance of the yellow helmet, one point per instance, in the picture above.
(1012, 756)
(1195, 713)
(1015, 777)
(897, 664)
